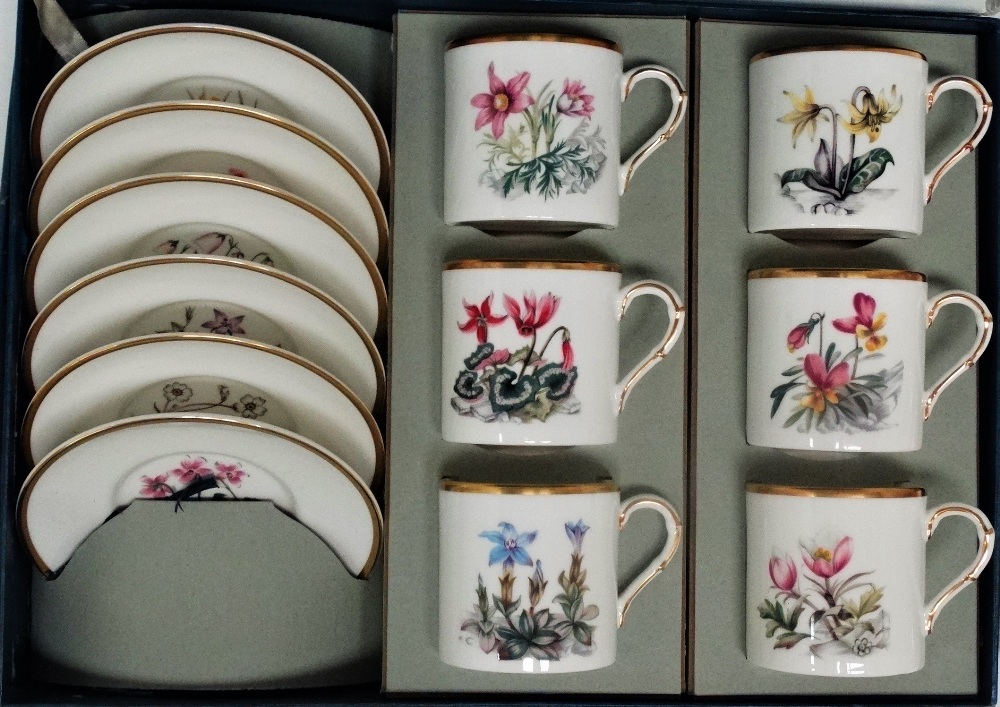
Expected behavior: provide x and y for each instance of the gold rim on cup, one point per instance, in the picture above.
(837, 48)
(830, 492)
(489, 487)
(535, 37)
(511, 264)
(865, 273)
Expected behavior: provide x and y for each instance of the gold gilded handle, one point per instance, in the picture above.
(984, 529)
(984, 332)
(673, 523)
(625, 298)
(984, 112)
(678, 107)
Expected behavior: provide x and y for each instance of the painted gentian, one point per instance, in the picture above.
(574, 101)
(501, 100)
(191, 470)
(481, 318)
(567, 351)
(865, 324)
(825, 562)
(783, 573)
(537, 312)
(509, 546)
(230, 473)
(575, 532)
(156, 487)
(225, 324)
(824, 385)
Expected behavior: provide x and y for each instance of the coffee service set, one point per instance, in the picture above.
(835, 357)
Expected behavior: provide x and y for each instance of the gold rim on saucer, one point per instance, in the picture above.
(535, 37)
(43, 103)
(502, 263)
(382, 225)
(837, 48)
(49, 231)
(488, 487)
(865, 273)
(820, 492)
(56, 454)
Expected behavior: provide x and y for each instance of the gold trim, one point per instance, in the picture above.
(503, 263)
(983, 556)
(682, 99)
(36, 473)
(534, 37)
(678, 529)
(973, 140)
(837, 48)
(46, 312)
(820, 492)
(382, 144)
(39, 397)
(378, 212)
(977, 351)
(488, 487)
(46, 235)
(668, 339)
(867, 273)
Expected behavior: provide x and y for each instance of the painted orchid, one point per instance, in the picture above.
(537, 312)
(824, 386)
(229, 473)
(502, 100)
(826, 561)
(865, 324)
(481, 317)
(156, 486)
(191, 469)
(784, 575)
(509, 546)
(573, 101)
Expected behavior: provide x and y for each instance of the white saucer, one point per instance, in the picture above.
(218, 138)
(151, 295)
(77, 487)
(180, 373)
(146, 216)
(171, 62)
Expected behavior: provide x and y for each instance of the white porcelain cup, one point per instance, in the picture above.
(532, 131)
(835, 578)
(837, 141)
(835, 358)
(530, 351)
(528, 576)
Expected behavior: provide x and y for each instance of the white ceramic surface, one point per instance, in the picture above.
(561, 315)
(532, 130)
(181, 61)
(814, 112)
(106, 306)
(548, 555)
(217, 138)
(835, 358)
(148, 215)
(156, 374)
(839, 575)
(77, 487)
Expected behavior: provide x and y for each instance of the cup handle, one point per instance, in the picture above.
(984, 111)
(984, 529)
(625, 298)
(673, 523)
(678, 107)
(984, 332)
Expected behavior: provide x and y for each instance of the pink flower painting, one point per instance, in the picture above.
(481, 318)
(502, 100)
(573, 101)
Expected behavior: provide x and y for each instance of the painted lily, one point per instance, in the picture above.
(156, 487)
(783, 573)
(225, 324)
(480, 318)
(574, 101)
(823, 384)
(567, 351)
(501, 100)
(865, 324)
(191, 470)
(575, 532)
(873, 113)
(509, 546)
(825, 559)
(804, 114)
(537, 312)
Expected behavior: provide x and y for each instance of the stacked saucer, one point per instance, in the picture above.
(206, 277)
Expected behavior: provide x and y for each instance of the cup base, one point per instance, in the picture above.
(524, 451)
(848, 238)
(531, 227)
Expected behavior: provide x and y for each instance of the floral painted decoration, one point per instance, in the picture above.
(221, 323)
(177, 397)
(829, 392)
(497, 384)
(212, 243)
(839, 615)
(548, 147)
(194, 478)
(832, 175)
(564, 627)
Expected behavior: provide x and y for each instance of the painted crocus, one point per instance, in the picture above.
(574, 101)
(804, 114)
(191, 470)
(509, 546)
(225, 324)
(825, 559)
(865, 324)
(823, 385)
(481, 318)
(783, 573)
(567, 351)
(537, 312)
(230, 473)
(575, 532)
(501, 100)
(156, 487)
(873, 113)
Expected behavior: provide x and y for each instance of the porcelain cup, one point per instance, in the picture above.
(837, 141)
(529, 579)
(532, 136)
(530, 351)
(835, 358)
(835, 578)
